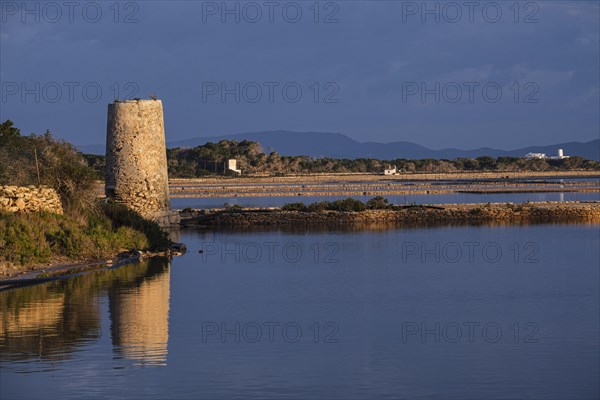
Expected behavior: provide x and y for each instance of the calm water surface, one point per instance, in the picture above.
(448, 312)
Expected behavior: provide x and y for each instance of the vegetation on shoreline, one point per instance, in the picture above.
(349, 204)
(88, 229)
(28, 238)
(211, 158)
(349, 212)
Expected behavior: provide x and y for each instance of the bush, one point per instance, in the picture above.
(316, 207)
(378, 203)
(59, 164)
(298, 206)
(37, 237)
(121, 216)
(348, 204)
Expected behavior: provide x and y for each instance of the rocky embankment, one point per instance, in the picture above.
(450, 213)
(29, 199)
(12, 274)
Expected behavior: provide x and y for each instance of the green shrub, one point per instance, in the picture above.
(316, 207)
(36, 237)
(58, 163)
(348, 204)
(298, 206)
(378, 203)
(121, 216)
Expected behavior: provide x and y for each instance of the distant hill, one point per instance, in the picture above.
(336, 145)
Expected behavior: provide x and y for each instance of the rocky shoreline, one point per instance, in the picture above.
(16, 275)
(543, 212)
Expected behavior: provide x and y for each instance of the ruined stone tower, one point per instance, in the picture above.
(136, 158)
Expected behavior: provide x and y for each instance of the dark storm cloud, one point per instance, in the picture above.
(370, 54)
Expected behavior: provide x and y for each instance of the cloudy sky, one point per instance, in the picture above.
(436, 73)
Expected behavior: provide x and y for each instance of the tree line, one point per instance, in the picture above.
(65, 168)
(210, 159)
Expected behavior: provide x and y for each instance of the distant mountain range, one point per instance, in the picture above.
(336, 145)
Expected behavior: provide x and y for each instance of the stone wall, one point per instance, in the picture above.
(29, 199)
(136, 157)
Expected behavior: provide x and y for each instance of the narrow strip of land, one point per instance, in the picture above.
(506, 213)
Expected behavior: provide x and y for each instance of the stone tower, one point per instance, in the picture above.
(136, 158)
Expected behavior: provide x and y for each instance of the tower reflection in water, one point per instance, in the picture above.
(139, 311)
(50, 323)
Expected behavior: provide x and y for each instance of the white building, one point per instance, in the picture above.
(232, 166)
(535, 155)
(390, 171)
(559, 155)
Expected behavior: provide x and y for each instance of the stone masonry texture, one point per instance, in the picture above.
(29, 199)
(136, 159)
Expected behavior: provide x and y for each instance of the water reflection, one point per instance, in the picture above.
(374, 290)
(370, 227)
(47, 322)
(139, 311)
(50, 322)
